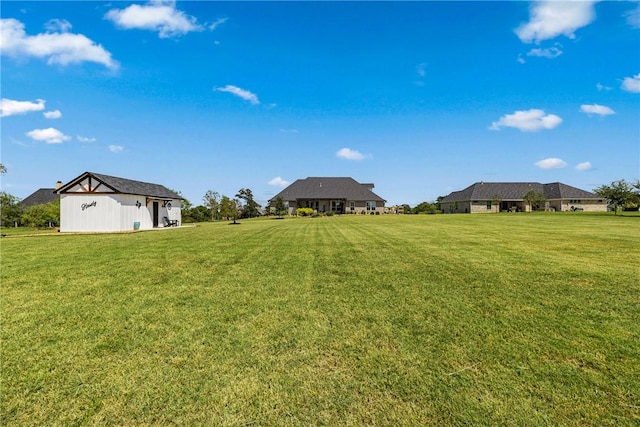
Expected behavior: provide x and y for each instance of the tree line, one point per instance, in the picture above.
(620, 194)
(217, 207)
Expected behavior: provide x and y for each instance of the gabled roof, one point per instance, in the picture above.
(125, 186)
(329, 188)
(40, 197)
(516, 191)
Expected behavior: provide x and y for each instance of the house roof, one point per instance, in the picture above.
(329, 188)
(40, 197)
(558, 190)
(125, 186)
(516, 191)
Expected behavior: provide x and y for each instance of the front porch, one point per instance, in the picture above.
(336, 206)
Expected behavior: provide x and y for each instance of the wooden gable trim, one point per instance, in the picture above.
(89, 184)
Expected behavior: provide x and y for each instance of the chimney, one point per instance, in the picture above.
(58, 184)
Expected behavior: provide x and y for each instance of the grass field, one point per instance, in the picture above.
(511, 319)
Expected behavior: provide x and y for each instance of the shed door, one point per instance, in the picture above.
(155, 214)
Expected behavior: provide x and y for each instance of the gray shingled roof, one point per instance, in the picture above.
(40, 197)
(558, 190)
(327, 188)
(516, 191)
(127, 186)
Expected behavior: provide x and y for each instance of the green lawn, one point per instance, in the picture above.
(510, 319)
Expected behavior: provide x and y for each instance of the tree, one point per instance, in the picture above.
(3, 169)
(43, 215)
(618, 194)
(229, 208)
(198, 214)
(534, 198)
(281, 208)
(212, 201)
(425, 207)
(251, 207)
(10, 209)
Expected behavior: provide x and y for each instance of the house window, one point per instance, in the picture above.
(488, 204)
(371, 206)
(352, 206)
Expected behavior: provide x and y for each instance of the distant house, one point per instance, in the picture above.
(41, 196)
(331, 194)
(509, 196)
(101, 203)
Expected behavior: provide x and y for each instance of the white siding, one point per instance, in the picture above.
(111, 212)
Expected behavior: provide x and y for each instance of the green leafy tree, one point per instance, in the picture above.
(534, 199)
(3, 169)
(44, 215)
(198, 214)
(425, 208)
(10, 209)
(280, 207)
(212, 201)
(251, 208)
(618, 193)
(229, 208)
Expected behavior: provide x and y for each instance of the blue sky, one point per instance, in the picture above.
(420, 98)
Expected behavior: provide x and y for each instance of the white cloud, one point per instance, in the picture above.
(602, 87)
(584, 166)
(632, 84)
(160, 16)
(10, 107)
(289, 130)
(55, 114)
(633, 17)
(527, 121)
(551, 52)
(549, 19)
(600, 110)
(85, 139)
(520, 59)
(49, 135)
(58, 25)
(349, 154)
(421, 69)
(242, 93)
(551, 163)
(217, 23)
(278, 182)
(58, 48)
(116, 148)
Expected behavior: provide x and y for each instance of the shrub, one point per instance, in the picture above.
(304, 211)
(330, 213)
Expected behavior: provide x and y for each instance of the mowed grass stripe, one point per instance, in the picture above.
(399, 320)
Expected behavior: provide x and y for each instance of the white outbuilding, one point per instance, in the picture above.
(94, 202)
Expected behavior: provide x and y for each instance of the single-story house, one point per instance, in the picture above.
(330, 194)
(41, 196)
(509, 196)
(94, 202)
